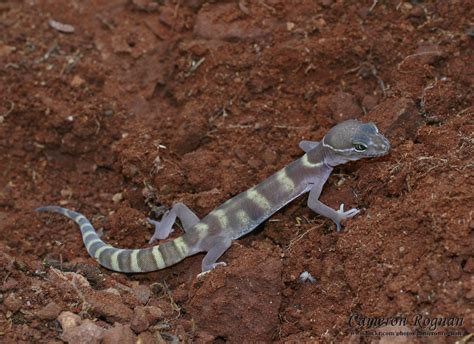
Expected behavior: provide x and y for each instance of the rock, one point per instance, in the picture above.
(369, 102)
(402, 119)
(269, 156)
(140, 320)
(327, 3)
(6, 50)
(10, 284)
(69, 281)
(109, 306)
(13, 303)
(194, 4)
(220, 22)
(146, 5)
(142, 292)
(180, 295)
(117, 198)
(77, 81)
(69, 320)
(237, 292)
(119, 334)
(146, 338)
(417, 12)
(469, 266)
(344, 106)
(189, 136)
(143, 317)
(112, 291)
(49, 312)
(154, 314)
(86, 333)
(204, 337)
(168, 18)
(254, 163)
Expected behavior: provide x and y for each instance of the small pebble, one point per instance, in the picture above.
(61, 27)
(12, 303)
(68, 319)
(49, 312)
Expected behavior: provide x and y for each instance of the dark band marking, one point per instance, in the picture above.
(146, 261)
(169, 253)
(94, 247)
(123, 260)
(104, 257)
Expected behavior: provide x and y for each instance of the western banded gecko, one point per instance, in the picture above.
(349, 140)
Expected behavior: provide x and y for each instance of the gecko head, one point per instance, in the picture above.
(353, 140)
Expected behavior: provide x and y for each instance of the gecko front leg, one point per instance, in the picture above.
(164, 227)
(322, 209)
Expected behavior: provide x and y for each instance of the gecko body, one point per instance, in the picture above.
(349, 140)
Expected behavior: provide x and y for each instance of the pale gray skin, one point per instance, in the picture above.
(347, 141)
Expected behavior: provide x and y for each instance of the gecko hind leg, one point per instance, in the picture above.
(209, 261)
(164, 227)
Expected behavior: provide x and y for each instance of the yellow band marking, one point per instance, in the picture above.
(160, 263)
(134, 262)
(84, 237)
(92, 242)
(79, 218)
(201, 229)
(258, 198)
(100, 249)
(181, 246)
(114, 260)
(285, 181)
(221, 217)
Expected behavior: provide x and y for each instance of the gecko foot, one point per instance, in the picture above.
(162, 231)
(199, 275)
(344, 215)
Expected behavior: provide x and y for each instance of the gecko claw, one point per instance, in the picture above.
(344, 215)
(201, 274)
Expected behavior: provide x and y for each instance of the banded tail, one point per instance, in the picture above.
(125, 260)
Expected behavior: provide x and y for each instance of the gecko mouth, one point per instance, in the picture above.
(385, 146)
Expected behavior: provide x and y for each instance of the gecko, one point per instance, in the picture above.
(347, 141)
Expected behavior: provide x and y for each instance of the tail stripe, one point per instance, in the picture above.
(92, 242)
(146, 260)
(114, 262)
(180, 246)
(87, 235)
(124, 260)
(98, 252)
(95, 247)
(81, 220)
(168, 252)
(159, 261)
(86, 227)
(104, 256)
(134, 262)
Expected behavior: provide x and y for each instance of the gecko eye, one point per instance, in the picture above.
(359, 147)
